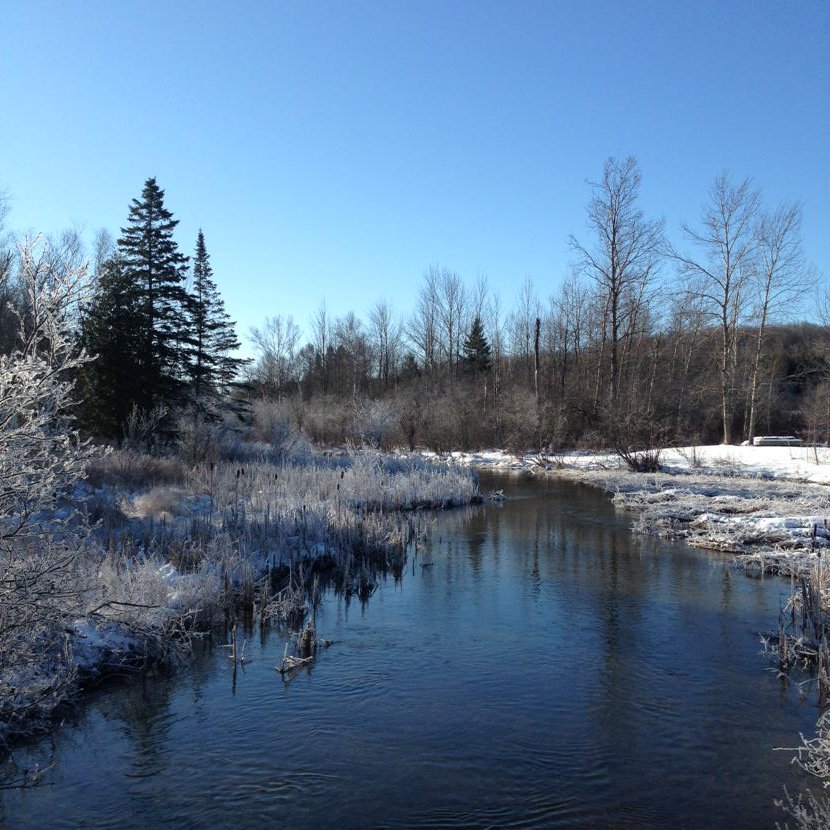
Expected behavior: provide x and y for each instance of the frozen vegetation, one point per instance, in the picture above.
(178, 550)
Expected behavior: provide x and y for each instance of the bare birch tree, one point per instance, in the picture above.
(780, 277)
(727, 241)
(623, 260)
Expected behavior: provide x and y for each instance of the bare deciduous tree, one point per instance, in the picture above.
(277, 343)
(386, 341)
(451, 311)
(522, 325)
(728, 243)
(622, 261)
(350, 343)
(780, 277)
(422, 329)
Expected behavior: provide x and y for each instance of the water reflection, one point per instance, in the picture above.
(535, 666)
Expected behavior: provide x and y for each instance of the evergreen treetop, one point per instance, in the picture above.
(476, 349)
(109, 384)
(157, 272)
(213, 337)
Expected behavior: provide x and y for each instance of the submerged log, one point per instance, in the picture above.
(290, 663)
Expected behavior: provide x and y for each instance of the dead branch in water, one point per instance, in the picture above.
(306, 651)
(291, 663)
(307, 647)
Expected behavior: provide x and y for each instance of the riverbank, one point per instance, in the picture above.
(536, 652)
(768, 505)
(161, 551)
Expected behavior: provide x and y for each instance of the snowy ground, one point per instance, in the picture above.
(771, 505)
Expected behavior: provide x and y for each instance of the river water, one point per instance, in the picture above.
(546, 668)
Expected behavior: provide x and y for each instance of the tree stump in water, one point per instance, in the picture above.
(307, 644)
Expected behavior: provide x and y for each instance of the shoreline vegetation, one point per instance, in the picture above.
(165, 552)
(770, 506)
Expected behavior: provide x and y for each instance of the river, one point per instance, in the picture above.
(536, 666)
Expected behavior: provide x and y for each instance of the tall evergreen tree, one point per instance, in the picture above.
(212, 335)
(157, 271)
(477, 350)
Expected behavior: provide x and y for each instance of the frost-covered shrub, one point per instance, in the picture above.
(641, 461)
(272, 424)
(41, 457)
(375, 422)
(143, 430)
(202, 441)
(813, 757)
(197, 439)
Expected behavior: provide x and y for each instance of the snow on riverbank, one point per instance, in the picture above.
(771, 505)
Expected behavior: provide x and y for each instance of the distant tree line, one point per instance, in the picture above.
(643, 343)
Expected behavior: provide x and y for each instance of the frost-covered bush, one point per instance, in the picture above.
(375, 422)
(272, 424)
(41, 456)
(197, 439)
(813, 757)
(201, 440)
(142, 432)
(640, 461)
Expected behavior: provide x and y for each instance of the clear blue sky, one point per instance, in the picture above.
(334, 150)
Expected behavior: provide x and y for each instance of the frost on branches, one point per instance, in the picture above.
(41, 456)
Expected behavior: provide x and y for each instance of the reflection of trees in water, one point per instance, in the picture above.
(144, 718)
(141, 711)
(137, 714)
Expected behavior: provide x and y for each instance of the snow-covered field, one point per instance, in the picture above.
(771, 505)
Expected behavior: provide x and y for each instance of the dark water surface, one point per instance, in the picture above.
(548, 670)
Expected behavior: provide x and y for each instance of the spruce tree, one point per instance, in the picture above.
(109, 384)
(212, 335)
(476, 348)
(157, 271)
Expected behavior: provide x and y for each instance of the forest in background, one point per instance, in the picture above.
(643, 344)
